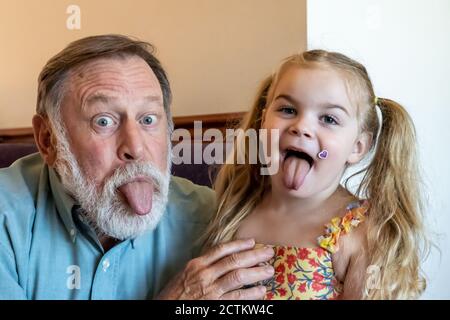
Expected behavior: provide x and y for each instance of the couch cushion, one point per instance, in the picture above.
(197, 173)
(10, 152)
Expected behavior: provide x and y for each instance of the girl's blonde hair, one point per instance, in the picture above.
(390, 181)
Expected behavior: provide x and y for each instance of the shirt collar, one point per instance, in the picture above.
(64, 203)
(68, 209)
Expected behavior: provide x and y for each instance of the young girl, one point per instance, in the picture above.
(325, 109)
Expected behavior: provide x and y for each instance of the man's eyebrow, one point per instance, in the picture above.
(150, 99)
(99, 97)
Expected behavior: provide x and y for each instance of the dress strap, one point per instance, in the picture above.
(355, 214)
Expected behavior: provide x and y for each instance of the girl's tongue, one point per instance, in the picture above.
(295, 170)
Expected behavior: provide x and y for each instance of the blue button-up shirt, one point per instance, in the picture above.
(47, 251)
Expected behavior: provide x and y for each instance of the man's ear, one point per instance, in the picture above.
(360, 148)
(45, 139)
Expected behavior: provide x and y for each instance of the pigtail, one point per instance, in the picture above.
(391, 182)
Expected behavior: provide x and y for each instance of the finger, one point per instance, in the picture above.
(224, 249)
(241, 277)
(254, 293)
(245, 259)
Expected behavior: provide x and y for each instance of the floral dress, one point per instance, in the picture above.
(307, 273)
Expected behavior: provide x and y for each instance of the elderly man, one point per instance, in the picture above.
(95, 214)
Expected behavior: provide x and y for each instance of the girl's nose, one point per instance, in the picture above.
(301, 128)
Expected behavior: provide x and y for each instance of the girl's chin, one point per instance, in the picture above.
(301, 193)
(304, 190)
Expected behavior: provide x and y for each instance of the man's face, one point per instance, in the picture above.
(117, 133)
(114, 115)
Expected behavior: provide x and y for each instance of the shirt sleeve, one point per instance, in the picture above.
(10, 288)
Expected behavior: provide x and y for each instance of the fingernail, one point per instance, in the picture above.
(269, 252)
(250, 242)
(269, 270)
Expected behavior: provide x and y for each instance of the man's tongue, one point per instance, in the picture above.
(139, 195)
(294, 172)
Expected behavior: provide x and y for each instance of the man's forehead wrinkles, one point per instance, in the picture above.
(116, 89)
(122, 80)
(124, 67)
(107, 97)
(115, 81)
(112, 76)
(112, 84)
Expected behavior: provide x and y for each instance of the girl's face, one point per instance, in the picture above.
(313, 112)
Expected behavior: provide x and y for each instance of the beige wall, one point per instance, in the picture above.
(215, 51)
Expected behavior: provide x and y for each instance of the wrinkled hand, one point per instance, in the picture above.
(222, 272)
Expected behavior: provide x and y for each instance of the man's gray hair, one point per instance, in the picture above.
(51, 82)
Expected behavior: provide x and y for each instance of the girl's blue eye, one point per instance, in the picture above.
(104, 121)
(148, 120)
(329, 120)
(288, 110)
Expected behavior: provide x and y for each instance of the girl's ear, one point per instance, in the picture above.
(45, 139)
(360, 148)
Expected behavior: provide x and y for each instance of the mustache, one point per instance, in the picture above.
(132, 171)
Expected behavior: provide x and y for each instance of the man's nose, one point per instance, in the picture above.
(131, 145)
(302, 126)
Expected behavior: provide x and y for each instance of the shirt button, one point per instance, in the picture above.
(72, 232)
(105, 264)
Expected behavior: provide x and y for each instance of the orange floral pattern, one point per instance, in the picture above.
(340, 226)
(307, 273)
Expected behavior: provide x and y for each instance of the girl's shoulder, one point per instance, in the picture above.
(345, 237)
(354, 214)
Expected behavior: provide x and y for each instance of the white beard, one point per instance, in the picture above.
(104, 209)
